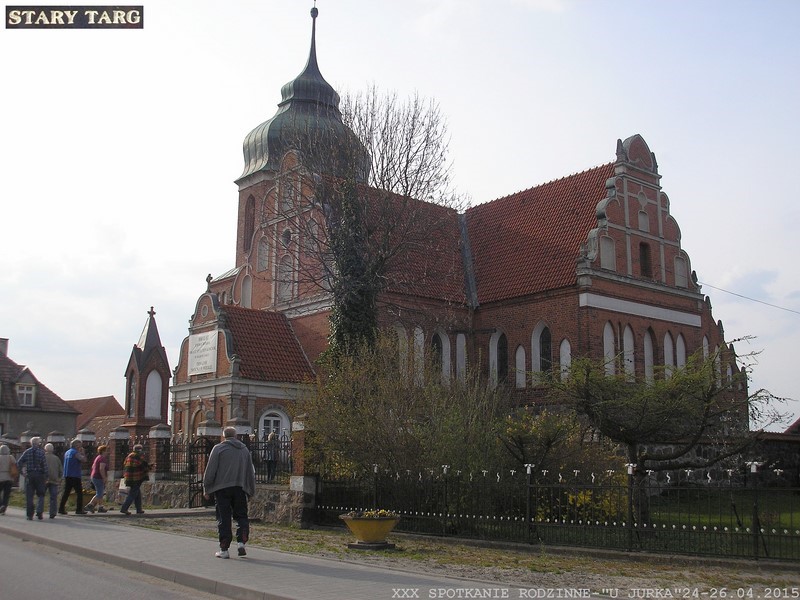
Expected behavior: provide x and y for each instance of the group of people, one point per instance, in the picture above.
(229, 476)
(44, 473)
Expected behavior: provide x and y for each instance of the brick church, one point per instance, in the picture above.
(587, 265)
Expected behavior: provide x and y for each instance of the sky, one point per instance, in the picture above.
(119, 148)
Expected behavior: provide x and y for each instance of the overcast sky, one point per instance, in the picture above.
(119, 148)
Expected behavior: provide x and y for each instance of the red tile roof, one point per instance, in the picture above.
(95, 407)
(429, 262)
(103, 426)
(528, 242)
(46, 399)
(266, 345)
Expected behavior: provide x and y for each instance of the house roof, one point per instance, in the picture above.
(46, 400)
(266, 345)
(102, 426)
(794, 428)
(528, 242)
(89, 408)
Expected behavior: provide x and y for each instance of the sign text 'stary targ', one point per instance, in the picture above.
(75, 17)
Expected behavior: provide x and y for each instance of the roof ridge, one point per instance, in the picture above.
(546, 183)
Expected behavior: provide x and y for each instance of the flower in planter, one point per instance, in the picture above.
(372, 514)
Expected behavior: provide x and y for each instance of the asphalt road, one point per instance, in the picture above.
(31, 570)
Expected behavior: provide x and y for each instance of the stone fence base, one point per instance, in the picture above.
(270, 503)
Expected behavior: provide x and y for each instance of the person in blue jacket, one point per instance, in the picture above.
(73, 465)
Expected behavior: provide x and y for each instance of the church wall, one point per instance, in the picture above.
(313, 332)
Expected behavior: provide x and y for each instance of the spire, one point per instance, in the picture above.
(308, 120)
(310, 85)
(149, 340)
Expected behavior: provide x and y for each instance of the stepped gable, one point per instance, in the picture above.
(528, 242)
(266, 345)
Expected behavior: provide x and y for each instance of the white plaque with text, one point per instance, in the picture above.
(203, 353)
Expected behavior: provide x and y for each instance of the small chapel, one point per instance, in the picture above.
(587, 265)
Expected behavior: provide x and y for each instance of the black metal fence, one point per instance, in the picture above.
(272, 460)
(754, 516)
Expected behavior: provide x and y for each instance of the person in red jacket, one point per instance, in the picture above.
(134, 470)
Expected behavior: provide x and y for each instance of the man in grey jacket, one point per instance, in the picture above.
(231, 477)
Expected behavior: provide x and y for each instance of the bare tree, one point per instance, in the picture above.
(374, 209)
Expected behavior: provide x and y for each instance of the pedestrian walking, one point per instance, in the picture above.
(231, 477)
(272, 456)
(73, 473)
(8, 473)
(134, 470)
(33, 464)
(54, 476)
(99, 474)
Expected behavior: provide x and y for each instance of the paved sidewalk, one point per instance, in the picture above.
(263, 574)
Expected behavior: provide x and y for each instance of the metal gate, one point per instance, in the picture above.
(199, 450)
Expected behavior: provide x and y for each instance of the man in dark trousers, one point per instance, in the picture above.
(73, 472)
(231, 477)
(33, 464)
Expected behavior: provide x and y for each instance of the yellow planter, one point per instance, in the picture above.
(370, 531)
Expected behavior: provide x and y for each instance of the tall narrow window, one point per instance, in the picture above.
(152, 395)
(461, 356)
(628, 353)
(608, 253)
(419, 355)
(249, 223)
(285, 279)
(247, 291)
(645, 264)
(680, 351)
(609, 348)
(131, 394)
(519, 367)
(565, 356)
(498, 358)
(545, 351)
(436, 350)
(669, 355)
(263, 254)
(502, 358)
(649, 357)
(440, 347)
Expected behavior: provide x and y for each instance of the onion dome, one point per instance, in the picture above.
(308, 120)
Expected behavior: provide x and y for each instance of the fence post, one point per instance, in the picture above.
(528, 476)
(299, 481)
(58, 440)
(159, 447)
(631, 467)
(756, 520)
(118, 449)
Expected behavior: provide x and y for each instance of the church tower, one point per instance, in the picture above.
(147, 381)
(285, 159)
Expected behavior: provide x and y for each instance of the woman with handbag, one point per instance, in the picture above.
(8, 474)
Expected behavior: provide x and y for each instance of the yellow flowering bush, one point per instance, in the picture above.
(372, 514)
